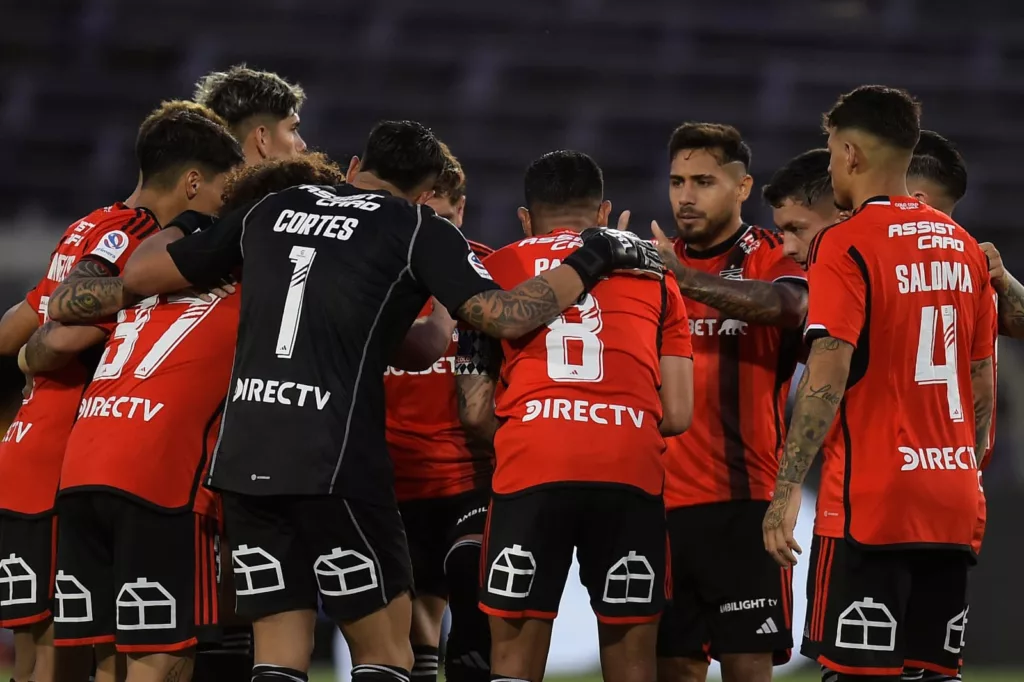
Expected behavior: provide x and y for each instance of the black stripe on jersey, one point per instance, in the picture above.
(141, 224)
(729, 400)
(201, 467)
(790, 345)
(859, 359)
(768, 236)
(662, 316)
(812, 250)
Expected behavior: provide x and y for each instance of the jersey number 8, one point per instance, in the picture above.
(575, 351)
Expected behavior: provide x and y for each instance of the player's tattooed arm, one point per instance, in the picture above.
(53, 345)
(818, 395)
(780, 304)
(89, 293)
(535, 302)
(1011, 306)
(475, 394)
(983, 387)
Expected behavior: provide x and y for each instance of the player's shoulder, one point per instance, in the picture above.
(836, 236)
(481, 250)
(761, 239)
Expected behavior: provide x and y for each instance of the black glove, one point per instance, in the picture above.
(191, 222)
(606, 250)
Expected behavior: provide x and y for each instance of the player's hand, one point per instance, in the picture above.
(226, 288)
(666, 249)
(623, 223)
(439, 315)
(995, 265)
(606, 250)
(780, 523)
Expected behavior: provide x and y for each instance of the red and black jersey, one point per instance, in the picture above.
(741, 378)
(909, 289)
(427, 444)
(33, 448)
(148, 422)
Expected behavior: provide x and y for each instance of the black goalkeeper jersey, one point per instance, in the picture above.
(332, 278)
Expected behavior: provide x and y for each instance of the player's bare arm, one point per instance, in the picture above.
(475, 394)
(16, 327)
(426, 341)
(819, 393)
(780, 304)
(676, 394)
(89, 293)
(983, 387)
(53, 345)
(1011, 294)
(535, 302)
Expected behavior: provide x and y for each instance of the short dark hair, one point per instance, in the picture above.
(889, 114)
(252, 182)
(172, 138)
(938, 160)
(451, 183)
(240, 93)
(173, 106)
(404, 153)
(563, 178)
(804, 179)
(724, 141)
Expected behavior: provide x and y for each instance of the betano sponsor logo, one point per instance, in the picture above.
(716, 327)
(445, 365)
(584, 412)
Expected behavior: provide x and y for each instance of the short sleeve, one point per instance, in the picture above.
(477, 354)
(114, 241)
(675, 330)
(206, 257)
(444, 264)
(34, 298)
(986, 327)
(837, 297)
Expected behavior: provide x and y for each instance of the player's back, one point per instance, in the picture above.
(149, 418)
(39, 431)
(906, 425)
(329, 292)
(578, 400)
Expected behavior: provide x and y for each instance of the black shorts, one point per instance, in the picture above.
(619, 537)
(27, 548)
(872, 612)
(728, 595)
(133, 575)
(433, 525)
(289, 551)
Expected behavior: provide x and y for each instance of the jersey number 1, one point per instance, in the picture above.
(926, 371)
(302, 258)
(575, 351)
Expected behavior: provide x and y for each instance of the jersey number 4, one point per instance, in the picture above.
(926, 371)
(575, 351)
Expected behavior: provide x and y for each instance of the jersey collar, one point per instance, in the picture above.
(718, 249)
(880, 200)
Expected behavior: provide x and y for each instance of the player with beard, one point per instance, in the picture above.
(910, 557)
(744, 296)
(442, 481)
(183, 157)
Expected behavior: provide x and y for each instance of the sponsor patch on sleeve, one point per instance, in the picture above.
(479, 266)
(111, 246)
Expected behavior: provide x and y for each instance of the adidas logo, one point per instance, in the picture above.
(767, 628)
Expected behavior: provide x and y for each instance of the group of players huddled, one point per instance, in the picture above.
(642, 428)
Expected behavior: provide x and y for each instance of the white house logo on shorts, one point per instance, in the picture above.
(629, 581)
(955, 631)
(72, 602)
(344, 572)
(145, 605)
(867, 625)
(112, 246)
(18, 583)
(512, 572)
(478, 266)
(258, 569)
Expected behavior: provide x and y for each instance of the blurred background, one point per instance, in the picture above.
(503, 82)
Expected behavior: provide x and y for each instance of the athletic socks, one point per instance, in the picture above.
(379, 673)
(265, 672)
(929, 676)
(228, 660)
(424, 669)
(502, 678)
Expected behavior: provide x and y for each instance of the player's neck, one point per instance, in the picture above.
(570, 224)
(372, 183)
(133, 198)
(880, 184)
(164, 208)
(727, 233)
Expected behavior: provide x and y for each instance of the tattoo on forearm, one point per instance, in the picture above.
(38, 356)
(1011, 308)
(817, 402)
(753, 301)
(510, 314)
(776, 513)
(982, 379)
(88, 294)
(476, 406)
